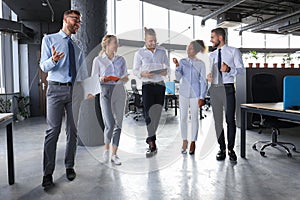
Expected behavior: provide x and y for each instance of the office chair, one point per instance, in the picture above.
(135, 103)
(264, 90)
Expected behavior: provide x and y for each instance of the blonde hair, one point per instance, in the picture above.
(149, 31)
(105, 41)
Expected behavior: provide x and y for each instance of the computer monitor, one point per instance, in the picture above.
(291, 92)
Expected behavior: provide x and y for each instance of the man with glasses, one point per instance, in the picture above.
(61, 58)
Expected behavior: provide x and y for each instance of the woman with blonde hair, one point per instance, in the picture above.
(192, 91)
(151, 65)
(112, 72)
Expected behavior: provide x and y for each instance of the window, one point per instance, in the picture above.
(181, 26)
(204, 32)
(129, 19)
(2, 88)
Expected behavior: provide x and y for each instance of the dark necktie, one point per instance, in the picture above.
(219, 61)
(72, 67)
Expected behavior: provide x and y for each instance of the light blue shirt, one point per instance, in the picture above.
(233, 58)
(192, 73)
(103, 66)
(145, 60)
(60, 71)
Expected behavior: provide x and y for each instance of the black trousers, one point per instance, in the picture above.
(218, 94)
(153, 95)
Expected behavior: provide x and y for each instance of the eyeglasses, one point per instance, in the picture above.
(76, 19)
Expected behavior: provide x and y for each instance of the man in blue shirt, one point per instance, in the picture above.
(61, 58)
(226, 63)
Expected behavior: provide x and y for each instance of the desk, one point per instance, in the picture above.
(171, 97)
(6, 120)
(270, 109)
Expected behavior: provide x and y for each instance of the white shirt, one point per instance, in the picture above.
(146, 60)
(103, 66)
(233, 58)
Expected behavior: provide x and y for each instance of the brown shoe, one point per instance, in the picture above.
(184, 146)
(192, 148)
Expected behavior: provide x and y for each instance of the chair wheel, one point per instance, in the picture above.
(294, 149)
(262, 153)
(254, 147)
(260, 131)
(289, 155)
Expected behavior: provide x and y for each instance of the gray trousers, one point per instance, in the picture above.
(112, 101)
(223, 98)
(59, 100)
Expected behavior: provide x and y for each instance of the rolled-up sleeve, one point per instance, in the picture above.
(203, 83)
(46, 63)
(137, 65)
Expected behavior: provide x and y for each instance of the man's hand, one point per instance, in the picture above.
(209, 77)
(56, 56)
(147, 74)
(224, 67)
(201, 102)
(164, 73)
(175, 61)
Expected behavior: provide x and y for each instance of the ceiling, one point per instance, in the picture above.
(260, 15)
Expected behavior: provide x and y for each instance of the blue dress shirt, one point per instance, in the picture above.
(193, 75)
(60, 71)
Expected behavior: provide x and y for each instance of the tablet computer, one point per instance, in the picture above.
(158, 71)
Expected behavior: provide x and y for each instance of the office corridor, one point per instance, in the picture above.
(168, 175)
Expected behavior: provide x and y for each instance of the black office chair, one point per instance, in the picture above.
(264, 90)
(135, 103)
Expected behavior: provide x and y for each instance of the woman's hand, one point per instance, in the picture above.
(105, 79)
(90, 96)
(175, 61)
(124, 78)
(201, 102)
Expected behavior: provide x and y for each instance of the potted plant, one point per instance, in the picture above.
(267, 56)
(23, 107)
(298, 58)
(289, 60)
(283, 61)
(5, 105)
(254, 55)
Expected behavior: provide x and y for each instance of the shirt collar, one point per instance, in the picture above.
(224, 46)
(63, 34)
(105, 56)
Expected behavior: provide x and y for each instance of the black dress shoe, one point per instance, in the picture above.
(232, 156)
(221, 155)
(47, 181)
(70, 174)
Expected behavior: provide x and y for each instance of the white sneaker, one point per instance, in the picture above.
(105, 155)
(115, 159)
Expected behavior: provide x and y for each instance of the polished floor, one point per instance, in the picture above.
(168, 175)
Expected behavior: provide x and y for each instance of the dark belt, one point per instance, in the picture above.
(229, 84)
(154, 83)
(59, 83)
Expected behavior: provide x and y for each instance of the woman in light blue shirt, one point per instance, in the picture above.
(112, 72)
(191, 71)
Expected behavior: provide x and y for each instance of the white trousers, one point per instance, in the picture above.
(184, 105)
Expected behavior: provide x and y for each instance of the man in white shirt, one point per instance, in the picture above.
(151, 64)
(226, 63)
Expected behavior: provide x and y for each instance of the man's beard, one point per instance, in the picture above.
(217, 44)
